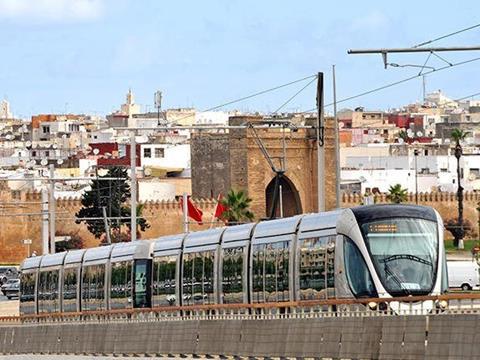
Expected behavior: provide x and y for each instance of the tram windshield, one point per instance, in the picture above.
(404, 252)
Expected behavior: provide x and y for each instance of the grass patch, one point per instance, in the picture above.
(468, 245)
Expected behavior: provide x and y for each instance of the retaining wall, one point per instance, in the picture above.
(400, 337)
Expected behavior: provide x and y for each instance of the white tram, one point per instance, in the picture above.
(365, 252)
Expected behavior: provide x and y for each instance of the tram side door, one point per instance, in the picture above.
(142, 289)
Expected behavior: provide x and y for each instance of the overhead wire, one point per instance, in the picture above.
(446, 36)
(386, 86)
(295, 95)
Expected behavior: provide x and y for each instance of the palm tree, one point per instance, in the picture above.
(237, 207)
(396, 194)
(459, 135)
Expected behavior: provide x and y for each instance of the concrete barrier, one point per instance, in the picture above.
(402, 337)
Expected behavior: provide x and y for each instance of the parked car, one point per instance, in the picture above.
(11, 288)
(464, 275)
(7, 272)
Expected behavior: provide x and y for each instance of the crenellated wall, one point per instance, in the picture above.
(165, 217)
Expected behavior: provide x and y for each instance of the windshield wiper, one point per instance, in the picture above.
(394, 276)
(408, 257)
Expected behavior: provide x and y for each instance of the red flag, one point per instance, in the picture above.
(220, 208)
(194, 212)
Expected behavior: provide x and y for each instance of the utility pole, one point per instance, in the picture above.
(185, 213)
(337, 143)
(320, 145)
(45, 230)
(51, 205)
(133, 186)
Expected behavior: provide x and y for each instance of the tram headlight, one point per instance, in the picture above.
(372, 305)
(442, 304)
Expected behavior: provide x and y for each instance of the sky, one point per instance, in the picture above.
(82, 56)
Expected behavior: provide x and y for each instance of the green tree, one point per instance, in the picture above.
(237, 207)
(458, 136)
(402, 134)
(396, 194)
(112, 195)
(75, 242)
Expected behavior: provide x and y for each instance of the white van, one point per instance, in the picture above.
(464, 275)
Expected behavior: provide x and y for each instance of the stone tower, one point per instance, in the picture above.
(234, 160)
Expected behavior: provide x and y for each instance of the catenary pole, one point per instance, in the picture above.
(320, 145)
(51, 206)
(133, 186)
(337, 142)
(45, 229)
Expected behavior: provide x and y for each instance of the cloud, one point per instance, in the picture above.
(51, 10)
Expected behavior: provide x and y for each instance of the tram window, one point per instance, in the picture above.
(70, 289)
(93, 287)
(232, 275)
(312, 268)
(330, 266)
(271, 272)
(48, 291)
(258, 259)
(198, 278)
(164, 270)
(187, 279)
(27, 293)
(121, 288)
(358, 276)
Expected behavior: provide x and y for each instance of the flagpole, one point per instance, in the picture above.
(185, 213)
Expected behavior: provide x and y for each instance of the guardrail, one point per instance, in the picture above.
(410, 305)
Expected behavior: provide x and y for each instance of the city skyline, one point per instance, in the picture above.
(82, 56)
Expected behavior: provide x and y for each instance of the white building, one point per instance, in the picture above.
(165, 156)
(5, 110)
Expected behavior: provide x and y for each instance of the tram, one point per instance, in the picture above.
(383, 251)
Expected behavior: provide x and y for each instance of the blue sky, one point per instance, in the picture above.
(83, 55)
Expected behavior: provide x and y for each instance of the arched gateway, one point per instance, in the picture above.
(290, 198)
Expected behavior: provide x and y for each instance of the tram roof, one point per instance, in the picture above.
(203, 240)
(31, 263)
(166, 243)
(276, 228)
(234, 234)
(370, 213)
(131, 250)
(98, 253)
(53, 259)
(74, 256)
(311, 224)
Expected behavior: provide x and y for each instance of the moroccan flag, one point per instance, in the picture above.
(193, 212)
(220, 208)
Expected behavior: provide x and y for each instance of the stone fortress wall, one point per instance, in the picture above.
(165, 218)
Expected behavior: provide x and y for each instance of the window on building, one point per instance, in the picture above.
(425, 152)
(46, 129)
(443, 170)
(34, 153)
(159, 152)
(475, 173)
(47, 153)
(147, 153)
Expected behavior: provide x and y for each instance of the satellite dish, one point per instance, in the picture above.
(401, 141)
(60, 161)
(64, 136)
(419, 133)
(28, 143)
(32, 163)
(44, 162)
(148, 171)
(34, 145)
(96, 151)
(341, 125)
(55, 146)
